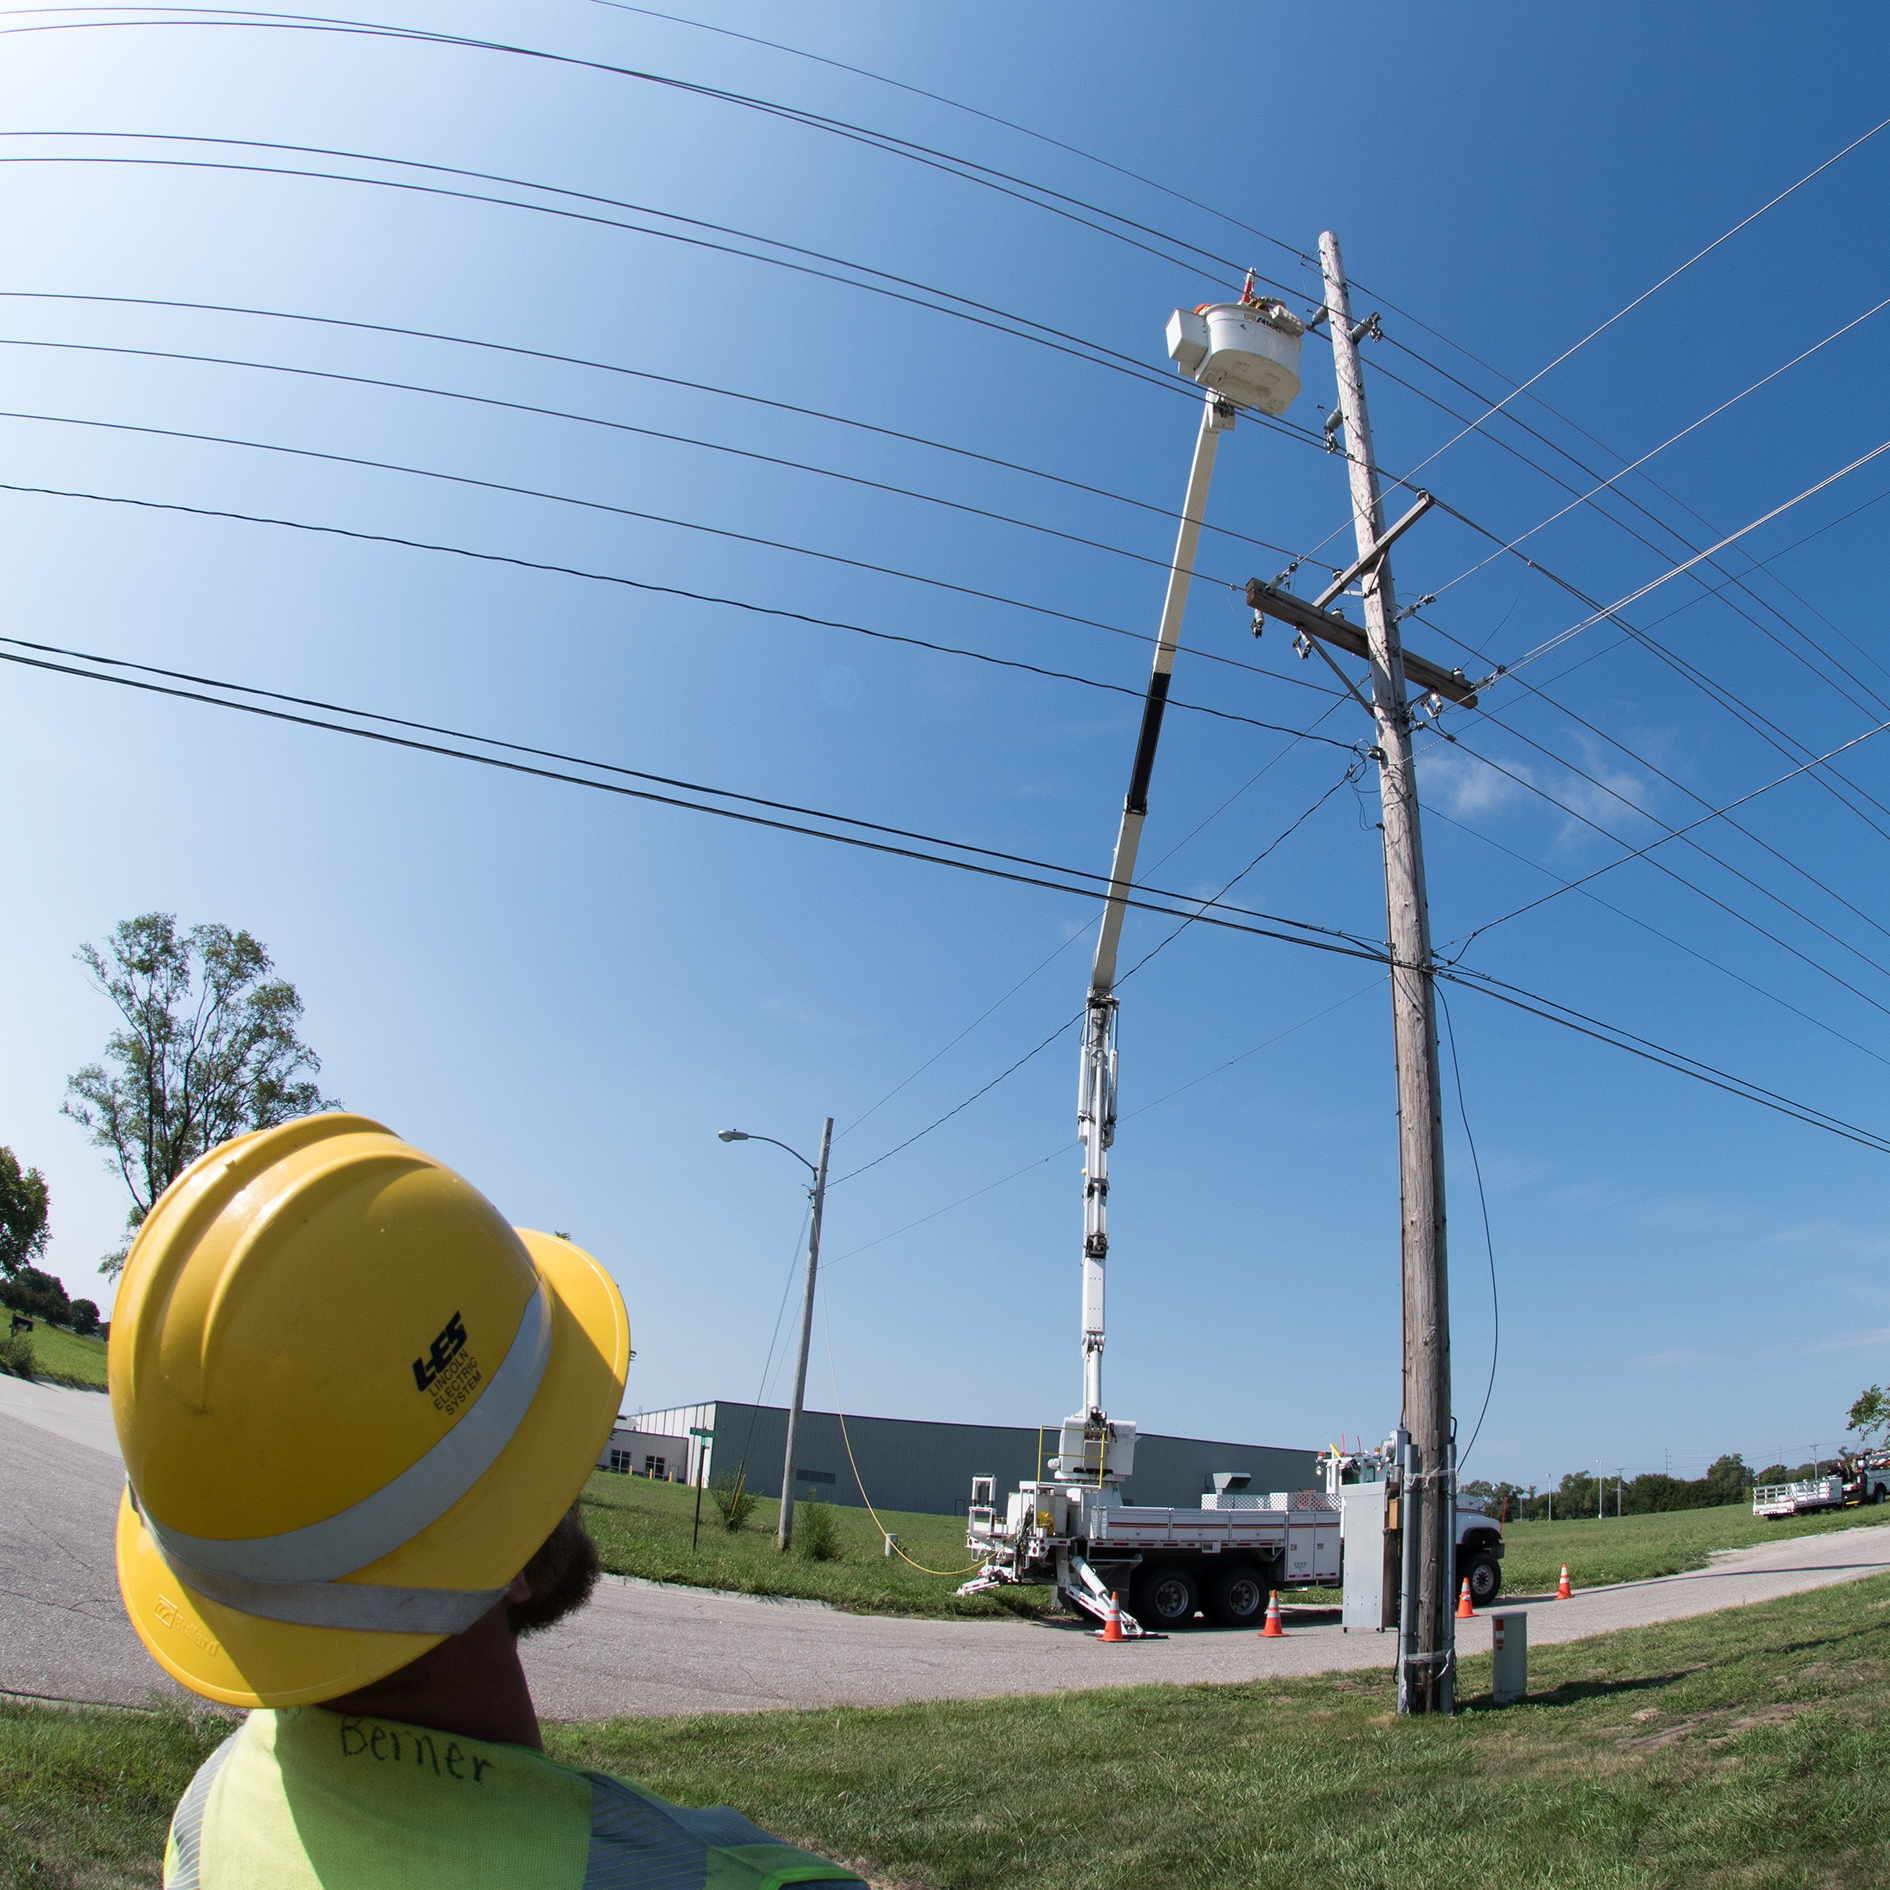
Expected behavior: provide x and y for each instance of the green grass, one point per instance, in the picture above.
(86, 1794)
(66, 1358)
(642, 1528)
(1745, 1748)
(1636, 1548)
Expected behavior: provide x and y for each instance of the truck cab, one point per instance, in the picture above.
(1479, 1559)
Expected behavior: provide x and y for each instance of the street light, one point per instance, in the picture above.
(784, 1534)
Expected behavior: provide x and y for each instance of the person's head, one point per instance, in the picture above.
(356, 1409)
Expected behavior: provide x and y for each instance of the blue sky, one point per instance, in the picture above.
(566, 994)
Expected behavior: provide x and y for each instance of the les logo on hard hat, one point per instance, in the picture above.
(448, 1371)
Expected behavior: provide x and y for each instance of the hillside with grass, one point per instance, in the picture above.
(49, 1351)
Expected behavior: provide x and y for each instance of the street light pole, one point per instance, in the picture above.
(784, 1534)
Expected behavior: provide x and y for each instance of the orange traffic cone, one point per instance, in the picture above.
(1465, 1612)
(1273, 1631)
(1112, 1621)
(1562, 1592)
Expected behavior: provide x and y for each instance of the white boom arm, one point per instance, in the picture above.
(1096, 1081)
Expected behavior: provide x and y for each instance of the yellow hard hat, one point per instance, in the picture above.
(352, 1403)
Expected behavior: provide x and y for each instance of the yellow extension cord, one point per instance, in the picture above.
(834, 1373)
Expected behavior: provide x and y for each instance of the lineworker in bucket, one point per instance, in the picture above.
(356, 1409)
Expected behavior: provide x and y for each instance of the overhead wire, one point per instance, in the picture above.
(1165, 513)
(1553, 1011)
(1585, 498)
(1327, 937)
(937, 301)
(1628, 308)
(508, 489)
(1677, 833)
(1316, 938)
(1660, 866)
(1045, 963)
(1608, 611)
(1529, 563)
(1036, 196)
(1065, 1148)
(538, 411)
(1489, 1241)
(1435, 813)
(554, 568)
(1009, 124)
(1077, 1016)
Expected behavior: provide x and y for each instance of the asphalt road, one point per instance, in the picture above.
(644, 1649)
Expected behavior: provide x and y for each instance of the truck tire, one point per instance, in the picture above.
(1237, 1596)
(1166, 1597)
(1484, 1573)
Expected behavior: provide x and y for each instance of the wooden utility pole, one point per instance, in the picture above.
(1425, 1683)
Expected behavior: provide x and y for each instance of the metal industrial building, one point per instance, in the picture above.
(910, 1465)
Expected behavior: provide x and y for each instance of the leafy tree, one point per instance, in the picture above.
(83, 1317)
(1870, 1417)
(1728, 1480)
(208, 1050)
(42, 1295)
(24, 1208)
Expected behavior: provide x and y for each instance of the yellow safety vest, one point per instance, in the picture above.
(307, 1799)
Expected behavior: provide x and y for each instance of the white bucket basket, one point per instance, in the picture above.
(1240, 351)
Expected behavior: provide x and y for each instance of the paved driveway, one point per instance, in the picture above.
(647, 1649)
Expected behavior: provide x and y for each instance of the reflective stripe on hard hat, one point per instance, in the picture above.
(361, 1605)
(307, 1558)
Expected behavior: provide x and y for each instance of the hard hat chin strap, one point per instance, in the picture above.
(294, 1576)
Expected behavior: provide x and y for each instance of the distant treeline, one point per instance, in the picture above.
(1583, 1493)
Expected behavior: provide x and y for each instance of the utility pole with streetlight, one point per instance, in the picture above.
(817, 1194)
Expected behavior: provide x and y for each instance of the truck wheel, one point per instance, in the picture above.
(1876, 1493)
(1484, 1573)
(1166, 1597)
(1237, 1597)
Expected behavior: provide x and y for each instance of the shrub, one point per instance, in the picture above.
(16, 1355)
(733, 1499)
(83, 1318)
(816, 1532)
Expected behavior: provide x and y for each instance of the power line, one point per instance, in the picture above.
(1679, 570)
(692, 596)
(1629, 308)
(1607, 484)
(1077, 1017)
(1330, 938)
(936, 300)
(1717, 813)
(1552, 1011)
(1009, 124)
(1733, 580)
(1489, 1243)
(1666, 938)
(967, 170)
(1661, 867)
(1066, 1147)
(615, 426)
(1165, 513)
(1045, 963)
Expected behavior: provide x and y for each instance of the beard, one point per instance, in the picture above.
(561, 1576)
